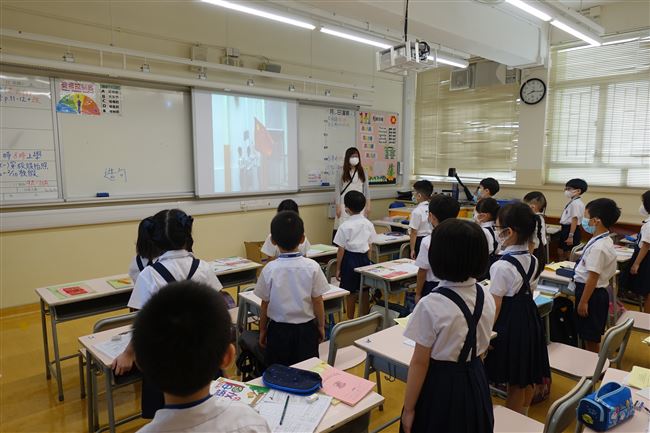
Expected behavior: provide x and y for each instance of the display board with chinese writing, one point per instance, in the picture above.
(378, 142)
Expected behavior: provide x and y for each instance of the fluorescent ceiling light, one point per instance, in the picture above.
(352, 37)
(451, 61)
(570, 30)
(621, 41)
(529, 9)
(260, 13)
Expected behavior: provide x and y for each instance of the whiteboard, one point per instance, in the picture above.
(145, 150)
(324, 133)
(28, 158)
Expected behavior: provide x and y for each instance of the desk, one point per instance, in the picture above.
(385, 245)
(337, 416)
(392, 223)
(389, 277)
(102, 298)
(623, 253)
(235, 271)
(322, 253)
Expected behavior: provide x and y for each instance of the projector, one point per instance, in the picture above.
(407, 56)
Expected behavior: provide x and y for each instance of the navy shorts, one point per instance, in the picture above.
(592, 327)
(564, 234)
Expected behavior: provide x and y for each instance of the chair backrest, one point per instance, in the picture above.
(114, 322)
(382, 228)
(613, 346)
(330, 270)
(573, 256)
(563, 410)
(405, 251)
(346, 333)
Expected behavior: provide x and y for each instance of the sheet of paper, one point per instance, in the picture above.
(639, 377)
(409, 268)
(112, 348)
(402, 321)
(321, 248)
(301, 416)
(645, 393)
(409, 342)
(121, 283)
(346, 387)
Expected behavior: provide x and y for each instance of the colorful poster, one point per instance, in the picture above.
(378, 141)
(111, 98)
(77, 97)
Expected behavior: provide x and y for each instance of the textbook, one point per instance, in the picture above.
(227, 389)
(70, 290)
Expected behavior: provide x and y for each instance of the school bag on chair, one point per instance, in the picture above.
(563, 328)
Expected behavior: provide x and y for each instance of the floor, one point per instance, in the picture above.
(28, 402)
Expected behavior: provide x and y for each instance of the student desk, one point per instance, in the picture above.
(392, 224)
(385, 245)
(623, 254)
(342, 417)
(235, 271)
(389, 277)
(103, 298)
(322, 253)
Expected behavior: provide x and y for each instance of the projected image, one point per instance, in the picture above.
(250, 144)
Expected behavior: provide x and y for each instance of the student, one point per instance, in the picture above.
(485, 215)
(353, 238)
(637, 278)
(447, 389)
(192, 349)
(419, 224)
(537, 202)
(519, 356)
(291, 288)
(571, 217)
(441, 208)
(271, 249)
(596, 266)
(488, 187)
(146, 251)
(172, 235)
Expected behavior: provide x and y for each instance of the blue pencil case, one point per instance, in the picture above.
(610, 406)
(292, 380)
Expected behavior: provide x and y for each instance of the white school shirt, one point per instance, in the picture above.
(438, 323)
(134, 271)
(422, 260)
(178, 263)
(273, 251)
(644, 233)
(420, 219)
(213, 415)
(489, 236)
(356, 185)
(505, 280)
(288, 284)
(355, 234)
(598, 256)
(574, 208)
(542, 232)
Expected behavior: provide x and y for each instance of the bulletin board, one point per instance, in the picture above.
(378, 142)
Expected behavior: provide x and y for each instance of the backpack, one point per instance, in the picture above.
(563, 328)
(250, 361)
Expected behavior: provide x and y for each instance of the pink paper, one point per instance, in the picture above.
(345, 387)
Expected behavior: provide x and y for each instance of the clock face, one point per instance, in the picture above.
(533, 91)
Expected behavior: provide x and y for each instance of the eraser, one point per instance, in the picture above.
(117, 337)
(312, 398)
(102, 194)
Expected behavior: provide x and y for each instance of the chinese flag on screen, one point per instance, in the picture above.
(263, 139)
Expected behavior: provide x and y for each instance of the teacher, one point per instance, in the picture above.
(350, 177)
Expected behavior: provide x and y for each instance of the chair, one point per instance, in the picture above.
(405, 251)
(340, 349)
(330, 272)
(381, 227)
(573, 256)
(575, 363)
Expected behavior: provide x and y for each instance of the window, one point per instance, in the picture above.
(474, 130)
(599, 115)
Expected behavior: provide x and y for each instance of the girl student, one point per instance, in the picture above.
(485, 215)
(171, 233)
(272, 250)
(519, 356)
(537, 202)
(637, 279)
(351, 177)
(146, 252)
(447, 388)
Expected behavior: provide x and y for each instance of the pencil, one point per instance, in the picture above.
(284, 411)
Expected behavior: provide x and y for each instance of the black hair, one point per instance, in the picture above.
(347, 167)
(287, 230)
(458, 250)
(424, 187)
(443, 207)
(580, 184)
(288, 204)
(538, 198)
(489, 206)
(490, 184)
(645, 199)
(172, 230)
(144, 245)
(520, 218)
(355, 201)
(605, 209)
(180, 337)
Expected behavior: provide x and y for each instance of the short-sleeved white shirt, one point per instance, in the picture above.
(490, 237)
(134, 271)
(288, 284)
(575, 208)
(540, 221)
(598, 256)
(438, 323)
(273, 251)
(422, 260)
(178, 263)
(505, 280)
(355, 234)
(420, 219)
(644, 233)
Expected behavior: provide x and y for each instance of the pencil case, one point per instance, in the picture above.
(565, 272)
(610, 406)
(292, 380)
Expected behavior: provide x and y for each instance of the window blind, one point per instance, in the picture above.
(473, 130)
(599, 115)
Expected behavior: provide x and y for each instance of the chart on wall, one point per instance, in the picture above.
(378, 142)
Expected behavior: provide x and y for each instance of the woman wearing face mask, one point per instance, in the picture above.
(637, 278)
(351, 177)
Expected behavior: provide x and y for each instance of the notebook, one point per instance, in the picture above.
(344, 386)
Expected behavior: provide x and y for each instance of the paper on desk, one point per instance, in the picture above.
(645, 393)
(402, 321)
(114, 348)
(346, 387)
(409, 268)
(301, 416)
(321, 248)
(639, 377)
(409, 342)
(229, 263)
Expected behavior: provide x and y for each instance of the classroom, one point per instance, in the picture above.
(318, 216)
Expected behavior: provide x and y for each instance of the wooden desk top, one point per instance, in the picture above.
(97, 288)
(333, 293)
(231, 265)
(321, 250)
(394, 270)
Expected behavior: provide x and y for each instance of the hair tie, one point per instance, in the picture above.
(185, 220)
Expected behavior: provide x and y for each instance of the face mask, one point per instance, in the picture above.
(476, 220)
(644, 213)
(586, 227)
(479, 193)
(568, 193)
(501, 238)
(354, 161)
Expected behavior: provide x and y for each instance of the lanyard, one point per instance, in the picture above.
(589, 245)
(290, 255)
(515, 253)
(571, 201)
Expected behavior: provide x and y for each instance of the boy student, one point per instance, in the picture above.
(488, 187)
(419, 222)
(594, 269)
(441, 208)
(272, 250)
(181, 339)
(571, 217)
(291, 288)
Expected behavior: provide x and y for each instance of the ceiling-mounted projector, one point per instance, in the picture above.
(404, 57)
